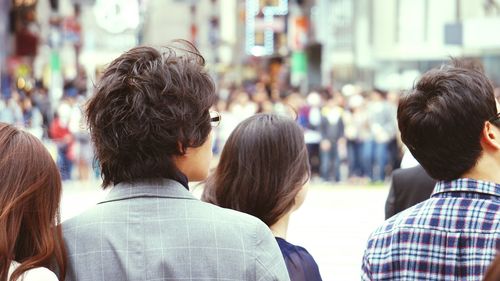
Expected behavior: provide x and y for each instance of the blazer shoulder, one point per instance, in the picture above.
(89, 216)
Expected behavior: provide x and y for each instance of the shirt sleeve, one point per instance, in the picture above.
(270, 265)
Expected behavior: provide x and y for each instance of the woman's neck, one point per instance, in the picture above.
(280, 228)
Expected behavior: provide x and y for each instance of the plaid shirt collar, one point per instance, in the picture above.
(467, 185)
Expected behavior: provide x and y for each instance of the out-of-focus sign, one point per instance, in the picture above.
(72, 30)
(116, 16)
(298, 33)
(453, 34)
(262, 20)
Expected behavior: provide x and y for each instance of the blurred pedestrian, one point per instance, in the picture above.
(358, 139)
(395, 155)
(41, 101)
(61, 135)
(11, 111)
(332, 130)
(383, 127)
(83, 153)
(310, 119)
(32, 118)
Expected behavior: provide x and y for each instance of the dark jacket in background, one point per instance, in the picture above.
(331, 131)
(408, 187)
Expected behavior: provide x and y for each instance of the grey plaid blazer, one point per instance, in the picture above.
(156, 230)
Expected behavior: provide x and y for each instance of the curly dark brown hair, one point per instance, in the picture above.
(149, 106)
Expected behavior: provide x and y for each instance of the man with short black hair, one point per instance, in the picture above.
(450, 123)
(151, 126)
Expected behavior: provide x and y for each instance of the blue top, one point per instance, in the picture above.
(300, 264)
(451, 236)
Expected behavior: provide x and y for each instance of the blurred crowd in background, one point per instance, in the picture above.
(337, 66)
(60, 125)
(351, 134)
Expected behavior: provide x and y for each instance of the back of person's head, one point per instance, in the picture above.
(30, 192)
(441, 120)
(262, 168)
(150, 106)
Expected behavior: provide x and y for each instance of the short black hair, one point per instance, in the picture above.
(442, 117)
(263, 166)
(149, 106)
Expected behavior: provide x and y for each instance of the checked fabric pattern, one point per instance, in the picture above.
(451, 236)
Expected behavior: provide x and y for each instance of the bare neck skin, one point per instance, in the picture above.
(488, 165)
(486, 169)
(280, 228)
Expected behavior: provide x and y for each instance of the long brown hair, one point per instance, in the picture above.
(263, 166)
(30, 191)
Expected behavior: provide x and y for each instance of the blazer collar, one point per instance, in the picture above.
(165, 188)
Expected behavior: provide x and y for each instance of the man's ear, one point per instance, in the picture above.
(490, 136)
(182, 149)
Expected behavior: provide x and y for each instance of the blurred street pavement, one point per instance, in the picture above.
(333, 224)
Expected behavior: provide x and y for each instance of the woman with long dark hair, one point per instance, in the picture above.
(30, 190)
(263, 171)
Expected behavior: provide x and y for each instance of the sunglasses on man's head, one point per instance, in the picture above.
(214, 118)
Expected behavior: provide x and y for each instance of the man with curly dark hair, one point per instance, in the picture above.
(150, 123)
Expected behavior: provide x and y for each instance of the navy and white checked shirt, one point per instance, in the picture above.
(451, 236)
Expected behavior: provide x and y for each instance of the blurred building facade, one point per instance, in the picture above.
(304, 43)
(385, 43)
(388, 43)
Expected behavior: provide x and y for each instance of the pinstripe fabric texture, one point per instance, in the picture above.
(157, 230)
(451, 236)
